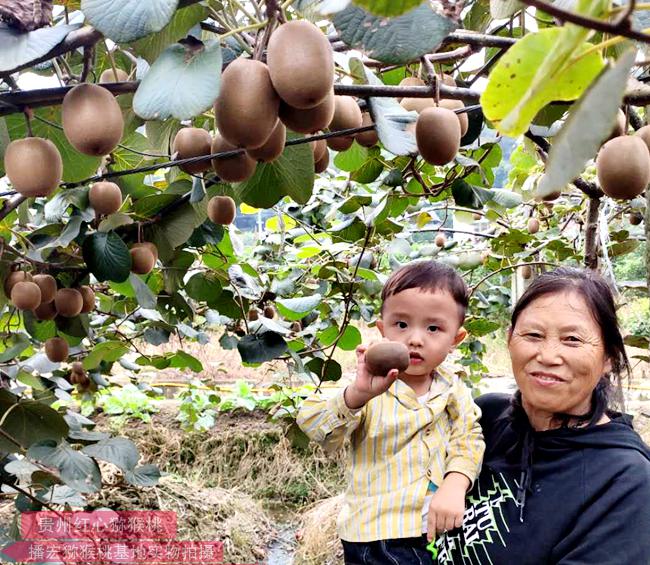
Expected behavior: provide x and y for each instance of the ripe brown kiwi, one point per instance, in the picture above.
(46, 311)
(346, 115)
(47, 284)
(88, 297)
(619, 126)
(68, 302)
(321, 165)
(367, 138)
(26, 295)
(118, 76)
(56, 349)
(78, 375)
(437, 133)
(410, 81)
(308, 120)
(452, 104)
(417, 104)
(319, 149)
(300, 49)
(92, 119)
(193, 142)
(142, 260)
(526, 272)
(533, 225)
(440, 240)
(15, 277)
(253, 315)
(105, 197)
(383, 356)
(246, 110)
(623, 167)
(231, 169)
(150, 246)
(644, 134)
(269, 312)
(273, 147)
(222, 210)
(635, 218)
(296, 326)
(34, 166)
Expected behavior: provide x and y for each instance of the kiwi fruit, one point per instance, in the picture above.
(246, 110)
(118, 75)
(367, 138)
(47, 284)
(150, 246)
(299, 49)
(78, 375)
(56, 349)
(410, 81)
(644, 134)
(13, 278)
(273, 147)
(319, 149)
(452, 104)
(635, 218)
(26, 295)
(296, 326)
(437, 133)
(417, 104)
(623, 167)
(34, 166)
(236, 168)
(346, 115)
(105, 197)
(193, 142)
(548, 199)
(222, 210)
(46, 311)
(92, 119)
(321, 165)
(440, 240)
(253, 315)
(88, 297)
(269, 312)
(619, 126)
(142, 260)
(533, 225)
(527, 272)
(383, 356)
(308, 120)
(447, 79)
(77, 367)
(68, 302)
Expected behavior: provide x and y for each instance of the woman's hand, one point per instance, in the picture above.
(367, 386)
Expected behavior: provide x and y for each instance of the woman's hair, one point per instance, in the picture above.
(599, 299)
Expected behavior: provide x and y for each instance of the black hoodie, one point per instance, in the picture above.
(587, 501)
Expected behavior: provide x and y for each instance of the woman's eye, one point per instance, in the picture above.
(433, 328)
(572, 339)
(401, 325)
(533, 335)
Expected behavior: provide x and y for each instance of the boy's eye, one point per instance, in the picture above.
(401, 325)
(433, 328)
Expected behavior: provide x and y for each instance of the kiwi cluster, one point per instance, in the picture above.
(623, 162)
(40, 294)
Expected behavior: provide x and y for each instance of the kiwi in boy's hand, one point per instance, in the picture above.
(383, 356)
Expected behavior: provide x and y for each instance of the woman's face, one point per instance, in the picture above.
(557, 355)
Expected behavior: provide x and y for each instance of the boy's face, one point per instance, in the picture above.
(428, 323)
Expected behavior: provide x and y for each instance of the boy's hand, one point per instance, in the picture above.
(367, 386)
(447, 505)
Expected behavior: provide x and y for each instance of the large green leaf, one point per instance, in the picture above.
(126, 20)
(588, 125)
(387, 7)
(500, 9)
(77, 470)
(397, 40)
(258, 348)
(20, 48)
(143, 476)
(152, 46)
(182, 83)
(109, 351)
(297, 308)
(28, 422)
(548, 65)
(292, 174)
(475, 197)
(120, 451)
(107, 256)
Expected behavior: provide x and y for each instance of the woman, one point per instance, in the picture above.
(565, 479)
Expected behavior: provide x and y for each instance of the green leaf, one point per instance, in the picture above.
(352, 159)
(387, 7)
(588, 125)
(152, 204)
(120, 451)
(127, 20)
(297, 308)
(143, 476)
(500, 9)
(77, 469)
(39, 330)
(28, 421)
(146, 298)
(177, 227)
(328, 370)
(540, 68)
(203, 287)
(350, 339)
(479, 327)
(292, 174)
(182, 21)
(107, 256)
(475, 197)
(396, 40)
(19, 48)
(109, 351)
(179, 84)
(14, 346)
(258, 348)
(390, 118)
(182, 360)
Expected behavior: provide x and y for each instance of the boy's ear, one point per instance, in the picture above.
(380, 327)
(460, 336)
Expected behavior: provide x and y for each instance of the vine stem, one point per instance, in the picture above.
(507, 268)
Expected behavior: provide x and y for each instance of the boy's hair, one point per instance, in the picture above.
(428, 276)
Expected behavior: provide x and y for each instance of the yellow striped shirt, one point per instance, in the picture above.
(397, 446)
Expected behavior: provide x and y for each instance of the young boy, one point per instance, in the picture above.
(416, 444)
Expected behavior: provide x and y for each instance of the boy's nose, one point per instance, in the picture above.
(415, 338)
